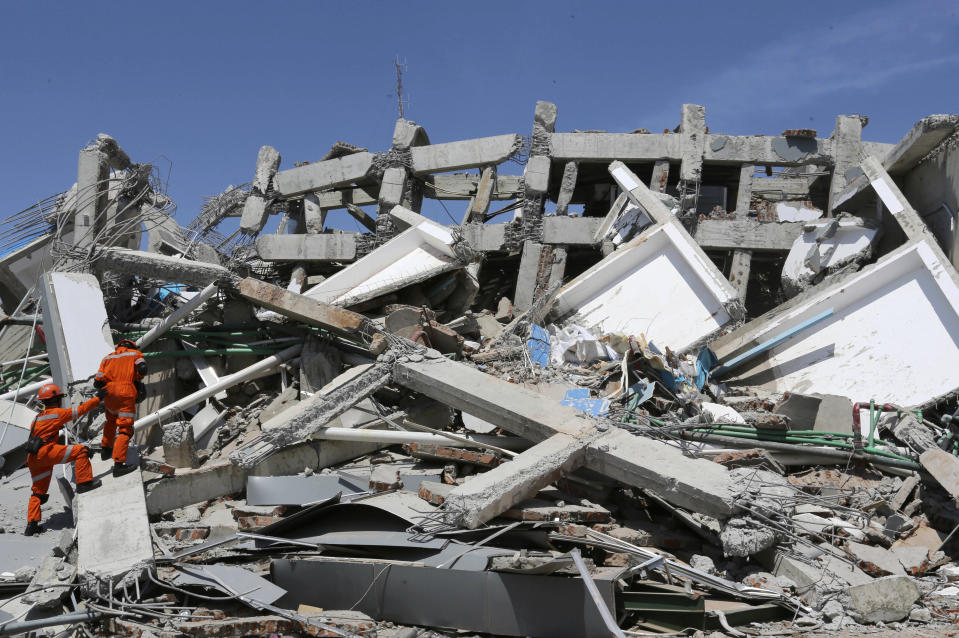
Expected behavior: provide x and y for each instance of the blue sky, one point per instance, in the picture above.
(198, 87)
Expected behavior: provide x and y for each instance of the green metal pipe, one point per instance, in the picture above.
(826, 442)
(805, 433)
(26, 379)
(730, 439)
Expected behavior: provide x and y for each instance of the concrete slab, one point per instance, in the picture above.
(113, 531)
(76, 341)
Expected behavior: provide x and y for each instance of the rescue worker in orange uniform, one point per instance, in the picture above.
(118, 383)
(47, 427)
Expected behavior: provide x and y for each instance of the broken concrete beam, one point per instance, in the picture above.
(459, 186)
(695, 484)
(570, 231)
(488, 495)
(76, 341)
(306, 417)
(452, 156)
(322, 175)
(311, 247)
(360, 215)
(700, 485)
(162, 267)
(267, 164)
(638, 193)
(719, 149)
(301, 307)
(747, 234)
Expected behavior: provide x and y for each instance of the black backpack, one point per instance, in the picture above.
(34, 443)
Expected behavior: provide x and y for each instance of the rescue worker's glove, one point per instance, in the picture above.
(43, 498)
(87, 451)
(141, 391)
(102, 393)
(99, 383)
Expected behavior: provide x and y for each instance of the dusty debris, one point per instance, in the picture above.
(416, 423)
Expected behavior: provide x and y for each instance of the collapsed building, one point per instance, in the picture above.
(694, 382)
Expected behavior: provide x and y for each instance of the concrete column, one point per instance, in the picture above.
(846, 139)
(479, 203)
(314, 215)
(536, 173)
(739, 272)
(527, 277)
(745, 192)
(558, 270)
(392, 189)
(657, 183)
(566, 188)
(693, 145)
(93, 168)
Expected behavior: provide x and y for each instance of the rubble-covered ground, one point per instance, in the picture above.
(678, 383)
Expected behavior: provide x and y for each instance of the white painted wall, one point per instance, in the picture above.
(416, 254)
(658, 285)
(894, 336)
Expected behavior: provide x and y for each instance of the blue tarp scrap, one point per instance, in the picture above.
(705, 361)
(579, 398)
(538, 346)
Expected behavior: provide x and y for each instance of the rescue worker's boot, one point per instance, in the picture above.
(106, 453)
(86, 486)
(120, 469)
(33, 527)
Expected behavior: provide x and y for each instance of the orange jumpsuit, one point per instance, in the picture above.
(47, 426)
(118, 371)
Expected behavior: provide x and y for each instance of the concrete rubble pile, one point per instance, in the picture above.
(667, 383)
